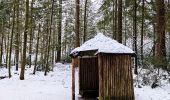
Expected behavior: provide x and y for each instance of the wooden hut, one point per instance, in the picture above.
(105, 69)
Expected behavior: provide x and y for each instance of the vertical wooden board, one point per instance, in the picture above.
(131, 76)
(121, 62)
(115, 80)
(106, 79)
(73, 79)
(79, 60)
(88, 75)
(114, 75)
(100, 76)
(125, 79)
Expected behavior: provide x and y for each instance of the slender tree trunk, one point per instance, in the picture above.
(7, 49)
(125, 25)
(85, 22)
(12, 32)
(25, 41)
(115, 17)
(31, 33)
(113, 20)
(17, 36)
(51, 35)
(47, 47)
(53, 53)
(142, 30)
(119, 21)
(43, 53)
(77, 24)
(2, 41)
(135, 35)
(36, 56)
(7, 46)
(59, 32)
(154, 38)
(49, 38)
(160, 53)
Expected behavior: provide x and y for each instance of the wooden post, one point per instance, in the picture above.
(73, 79)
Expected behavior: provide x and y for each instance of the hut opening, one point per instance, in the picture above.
(105, 69)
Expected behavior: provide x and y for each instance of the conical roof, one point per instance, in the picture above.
(103, 44)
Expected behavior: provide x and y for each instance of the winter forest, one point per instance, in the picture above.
(85, 49)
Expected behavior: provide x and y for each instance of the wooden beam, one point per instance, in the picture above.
(73, 78)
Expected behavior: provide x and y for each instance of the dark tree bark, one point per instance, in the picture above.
(142, 30)
(12, 33)
(31, 32)
(2, 41)
(77, 24)
(17, 35)
(49, 39)
(125, 25)
(37, 47)
(119, 38)
(135, 35)
(59, 32)
(160, 53)
(46, 50)
(115, 21)
(85, 21)
(25, 42)
(7, 43)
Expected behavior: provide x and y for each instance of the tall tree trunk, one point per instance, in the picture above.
(154, 38)
(115, 22)
(113, 19)
(49, 38)
(119, 21)
(59, 32)
(12, 32)
(2, 41)
(43, 51)
(7, 44)
(135, 35)
(36, 55)
(25, 42)
(125, 25)
(46, 49)
(17, 36)
(85, 21)
(31, 33)
(154, 26)
(7, 50)
(77, 24)
(142, 31)
(160, 53)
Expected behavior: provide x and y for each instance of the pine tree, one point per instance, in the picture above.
(59, 31)
(25, 42)
(160, 53)
(119, 36)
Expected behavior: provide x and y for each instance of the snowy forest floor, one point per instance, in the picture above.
(57, 86)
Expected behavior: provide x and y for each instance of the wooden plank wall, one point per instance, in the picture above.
(88, 76)
(115, 82)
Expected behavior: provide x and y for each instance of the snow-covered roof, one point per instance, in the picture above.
(102, 44)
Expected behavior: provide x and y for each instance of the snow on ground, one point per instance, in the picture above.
(57, 86)
(146, 93)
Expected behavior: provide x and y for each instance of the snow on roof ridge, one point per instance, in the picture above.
(103, 44)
